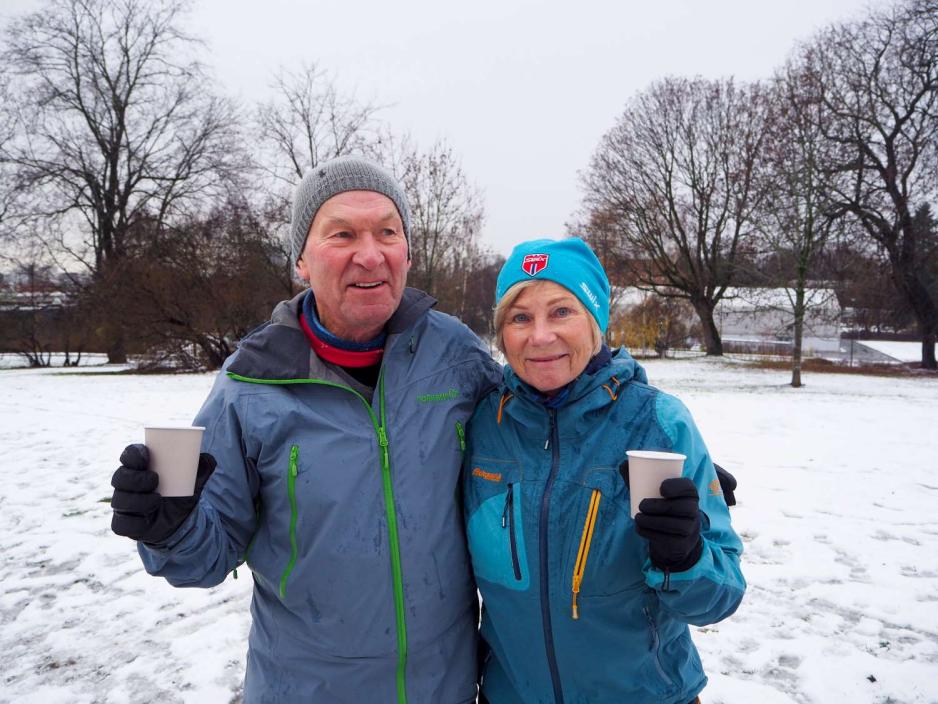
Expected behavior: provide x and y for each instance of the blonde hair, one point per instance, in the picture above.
(512, 294)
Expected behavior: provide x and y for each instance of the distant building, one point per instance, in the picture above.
(41, 292)
(763, 320)
(32, 300)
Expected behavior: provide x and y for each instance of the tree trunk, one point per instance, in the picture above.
(215, 351)
(116, 352)
(796, 347)
(799, 310)
(923, 310)
(928, 351)
(708, 326)
(905, 272)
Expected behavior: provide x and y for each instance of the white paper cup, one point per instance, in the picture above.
(647, 469)
(174, 456)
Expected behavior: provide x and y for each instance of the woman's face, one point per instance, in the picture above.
(547, 337)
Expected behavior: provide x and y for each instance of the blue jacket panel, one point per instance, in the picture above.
(547, 512)
(345, 508)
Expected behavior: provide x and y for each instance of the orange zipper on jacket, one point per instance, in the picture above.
(585, 539)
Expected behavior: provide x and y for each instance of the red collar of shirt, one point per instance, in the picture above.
(343, 358)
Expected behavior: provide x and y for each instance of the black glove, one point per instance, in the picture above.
(727, 485)
(672, 526)
(139, 512)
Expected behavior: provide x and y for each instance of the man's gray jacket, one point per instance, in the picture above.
(345, 505)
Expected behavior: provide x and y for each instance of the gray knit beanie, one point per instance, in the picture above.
(344, 173)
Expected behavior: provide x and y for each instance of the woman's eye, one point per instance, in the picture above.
(519, 318)
(388, 232)
(342, 234)
(562, 312)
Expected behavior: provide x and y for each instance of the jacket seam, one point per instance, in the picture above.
(412, 382)
(667, 428)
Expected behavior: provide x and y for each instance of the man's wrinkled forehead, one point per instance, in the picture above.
(335, 213)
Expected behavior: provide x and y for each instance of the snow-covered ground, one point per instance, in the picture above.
(838, 508)
(10, 360)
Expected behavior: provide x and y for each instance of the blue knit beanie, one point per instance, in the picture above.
(570, 263)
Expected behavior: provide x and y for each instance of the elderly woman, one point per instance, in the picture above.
(581, 603)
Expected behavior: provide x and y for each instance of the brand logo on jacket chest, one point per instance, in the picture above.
(488, 476)
(450, 395)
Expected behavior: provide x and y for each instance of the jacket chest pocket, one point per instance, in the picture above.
(495, 513)
(275, 547)
(316, 507)
(603, 554)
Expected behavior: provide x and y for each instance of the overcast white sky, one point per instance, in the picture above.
(522, 90)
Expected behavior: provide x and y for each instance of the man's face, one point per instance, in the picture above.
(355, 260)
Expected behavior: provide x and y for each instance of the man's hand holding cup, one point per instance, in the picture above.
(140, 512)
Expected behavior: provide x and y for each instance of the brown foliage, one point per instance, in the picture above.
(187, 295)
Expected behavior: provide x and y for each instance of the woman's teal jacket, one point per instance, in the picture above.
(573, 610)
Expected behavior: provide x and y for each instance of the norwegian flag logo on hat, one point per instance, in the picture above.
(533, 264)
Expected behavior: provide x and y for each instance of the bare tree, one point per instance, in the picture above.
(797, 204)
(879, 82)
(7, 190)
(676, 176)
(446, 217)
(115, 124)
(310, 120)
(477, 291)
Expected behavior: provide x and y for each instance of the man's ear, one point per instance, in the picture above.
(301, 270)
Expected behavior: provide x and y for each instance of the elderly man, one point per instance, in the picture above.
(332, 448)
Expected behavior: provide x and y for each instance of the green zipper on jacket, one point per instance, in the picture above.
(291, 492)
(380, 429)
(461, 434)
(395, 545)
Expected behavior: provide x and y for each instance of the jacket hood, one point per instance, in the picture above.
(279, 349)
(622, 366)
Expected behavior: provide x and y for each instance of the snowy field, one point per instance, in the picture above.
(9, 360)
(838, 510)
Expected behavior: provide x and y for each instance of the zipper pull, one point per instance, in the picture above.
(383, 442)
(576, 609)
(508, 505)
